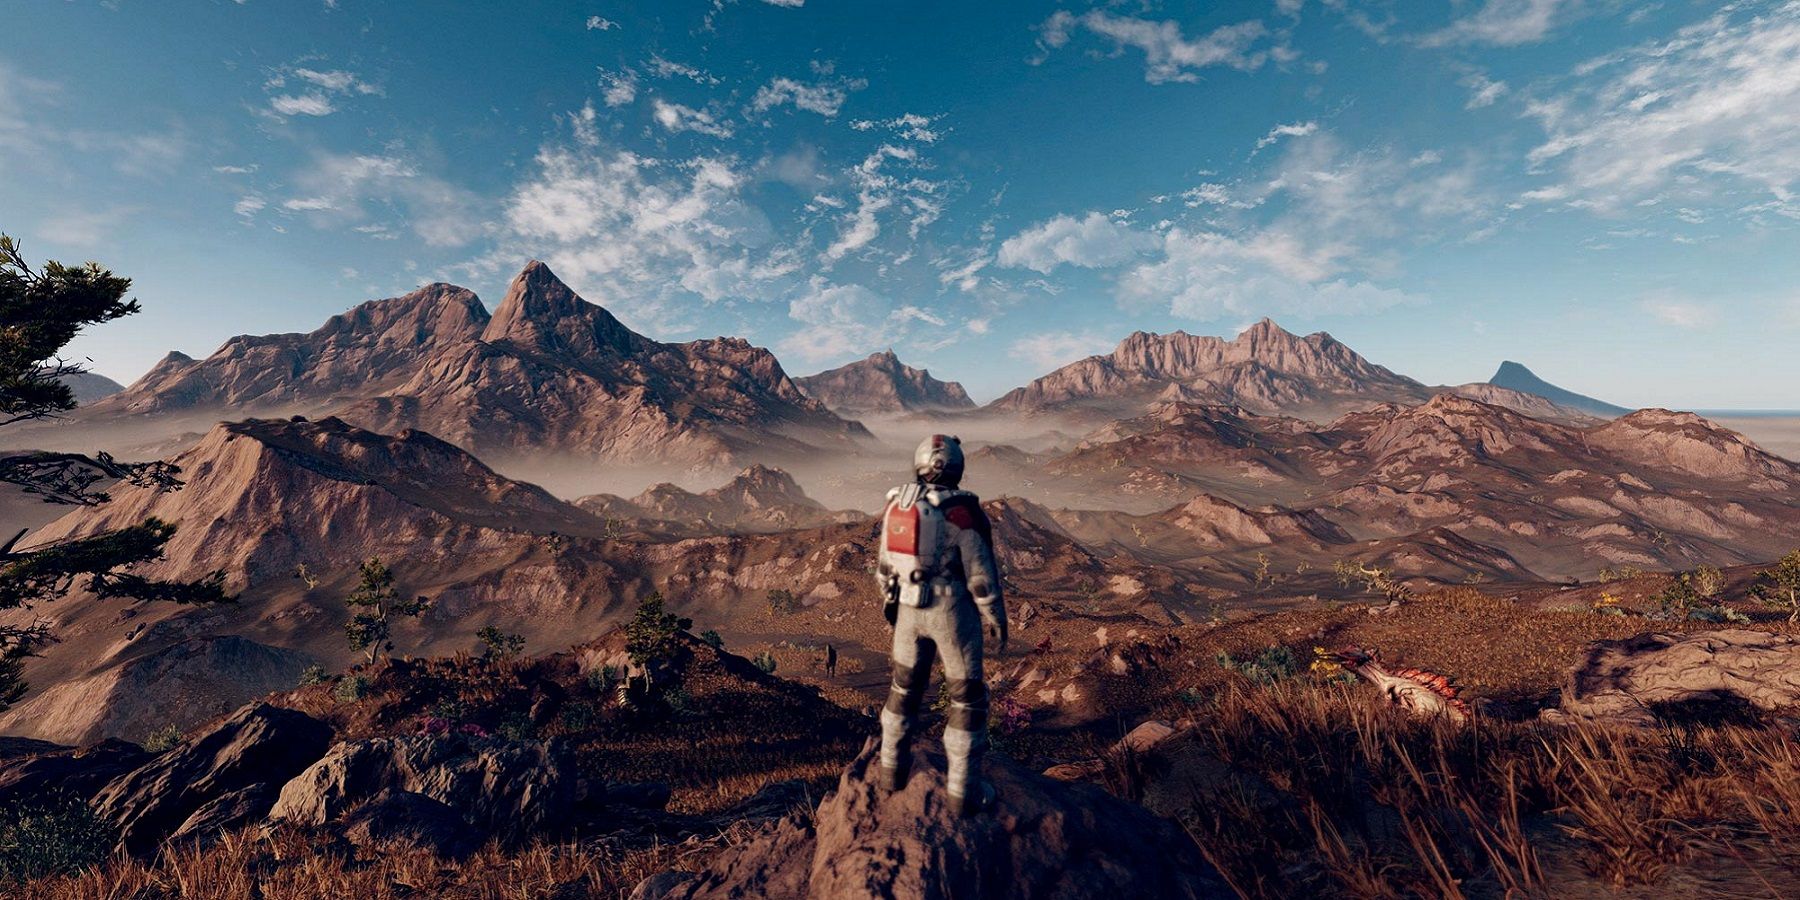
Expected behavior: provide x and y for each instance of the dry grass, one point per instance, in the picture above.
(1335, 792)
(291, 865)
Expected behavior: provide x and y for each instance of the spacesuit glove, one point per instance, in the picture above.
(995, 617)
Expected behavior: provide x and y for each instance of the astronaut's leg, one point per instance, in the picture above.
(913, 652)
(965, 729)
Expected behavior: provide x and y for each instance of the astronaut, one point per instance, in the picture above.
(940, 581)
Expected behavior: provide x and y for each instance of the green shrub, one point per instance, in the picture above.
(59, 836)
(765, 661)
(1268, 666)
(712, 639)
(164, 738)
(313, 675)
(497, 644)
(350, 689)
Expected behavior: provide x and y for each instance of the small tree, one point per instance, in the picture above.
(1680, 597)
(41, 311)
(372, 605)
(653, 634)
(1779, 586)
(497, 644)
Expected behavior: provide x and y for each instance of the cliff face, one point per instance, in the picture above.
(883, 384)
(548, 372)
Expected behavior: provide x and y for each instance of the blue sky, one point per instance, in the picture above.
(1602, 190)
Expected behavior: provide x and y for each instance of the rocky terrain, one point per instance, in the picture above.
(883, 385)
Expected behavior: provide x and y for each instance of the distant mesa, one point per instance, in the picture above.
(1515, 376)
(882, 384)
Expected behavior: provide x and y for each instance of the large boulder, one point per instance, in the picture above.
(1043, 839)
(505, 789)
(212, 778)
(79, 773)
(1706, 674)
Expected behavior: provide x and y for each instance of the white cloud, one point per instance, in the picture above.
(910, 126)
(645, 232)
(313, 104)
(678, 118)
(1168, 54)
(791, 4)
(1298, 129)
(336, 80)
(596, 23)
(315, 90)
(824, 97)
(351, 189)
(840, 320)
(1504, 23)
(881, 189)
(236, 170)
(1094, 241)
(620, 88)
(1483, 91)
(1712, 113)
(1679, 313)
(1053, 350)
(661, 67)
(249, 205)
(1206, 275)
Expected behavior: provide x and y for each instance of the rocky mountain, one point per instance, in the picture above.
(547, 373)
(1516, 377)
(1265, 369)
(882, 384)
(91, 386)
(757, 499)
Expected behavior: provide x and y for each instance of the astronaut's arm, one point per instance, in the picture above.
(975, 538)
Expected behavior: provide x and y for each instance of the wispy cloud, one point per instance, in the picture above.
(1093, 241)
(1169, 55)
(1713, 112)
(1505, 23)
(1055, 349)
(677, 118)
(1680, 313)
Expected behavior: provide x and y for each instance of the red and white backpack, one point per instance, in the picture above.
(912, 540)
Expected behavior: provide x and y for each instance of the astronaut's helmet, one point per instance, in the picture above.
(939, 460)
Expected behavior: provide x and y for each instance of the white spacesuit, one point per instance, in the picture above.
(938, 575)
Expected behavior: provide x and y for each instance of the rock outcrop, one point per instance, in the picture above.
(1043, 839)
(219, 779)
(504, 789)
(757, 499)
(132, 695)
(883, 385)
(1699, 675)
